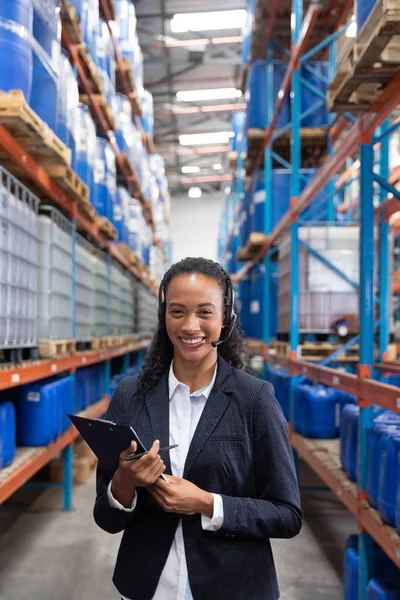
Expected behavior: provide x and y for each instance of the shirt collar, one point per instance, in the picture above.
(173, 383)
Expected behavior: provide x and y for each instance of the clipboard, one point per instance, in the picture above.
(106, 439)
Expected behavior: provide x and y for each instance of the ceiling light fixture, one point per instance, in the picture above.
(194, 139)
(217, 167)
(210, 94)
(208, 21)
(189, 169)
(194, 192)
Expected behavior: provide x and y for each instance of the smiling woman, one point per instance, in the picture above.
(229, 484)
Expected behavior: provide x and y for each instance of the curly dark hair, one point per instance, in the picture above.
(161, 351)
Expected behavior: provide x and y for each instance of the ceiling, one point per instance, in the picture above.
(169, 69)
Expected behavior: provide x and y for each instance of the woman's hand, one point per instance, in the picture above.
(136, 473)
(182, 496)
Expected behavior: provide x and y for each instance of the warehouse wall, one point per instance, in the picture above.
(195, 226)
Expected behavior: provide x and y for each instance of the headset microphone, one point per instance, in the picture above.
(219, 342)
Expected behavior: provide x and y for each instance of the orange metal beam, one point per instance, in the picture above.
(46, 368)
(21, 475)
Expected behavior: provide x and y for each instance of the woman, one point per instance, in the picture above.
(231, 485)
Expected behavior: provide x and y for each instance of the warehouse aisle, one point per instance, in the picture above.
(46, 554)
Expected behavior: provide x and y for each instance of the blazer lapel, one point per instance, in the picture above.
(216, 405)
(157, 404)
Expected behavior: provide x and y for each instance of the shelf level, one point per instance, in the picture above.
(29, 461)
(13, 377)
(323, 456)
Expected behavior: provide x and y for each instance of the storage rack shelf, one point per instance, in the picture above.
(12, 377)
(29, 461)
(347, 136)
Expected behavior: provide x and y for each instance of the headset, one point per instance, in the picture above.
(230, 315)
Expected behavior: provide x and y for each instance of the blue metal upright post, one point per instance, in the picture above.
(366, 340)
(73, 307)
(266, 333)
(107, 377)
(297, 15)
(384, 280)
(125, 363)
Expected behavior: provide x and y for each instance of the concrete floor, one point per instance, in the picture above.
(48, 554)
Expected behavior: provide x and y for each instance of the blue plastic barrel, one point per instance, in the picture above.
(385, 423)
(282, 392)
(7, 433)
(125, 18)
(349, 439)
(104, 179)
(68, 99)
(80, 390)
(105, 51)
(46, 61)
(38, 420)
(238, 122)
(247, 32)
(117, 213)
(280, 198)
(125, 129)
(321, 413)
(351, 567)
(16, 47)
(389, 445)
(243, 304)
(311, 72)
(256, 95)
(379, 588)
(257, 301)
(66, 395)
(245, 218)
(147, 119)
(85, 146)
(298, 421)
(362, 9)
(274, 281)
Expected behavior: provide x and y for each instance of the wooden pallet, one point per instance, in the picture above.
(370, 62)
(313, 147)
(106, 228)
(254, 246)
(89, 211)
(90, 68)
(127, 173)
(106, 110)
(83, 464)
(56, 348)
(314, 351)
(109, 341)
(132, 258)
(70, 21)
(33, 134)
(69, 181)
(254, 347)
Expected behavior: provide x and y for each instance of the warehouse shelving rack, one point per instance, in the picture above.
(30, 460)
(368, 129)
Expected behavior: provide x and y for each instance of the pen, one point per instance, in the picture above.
(135, 456)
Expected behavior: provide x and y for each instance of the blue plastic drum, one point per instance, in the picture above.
(379, 588)
(256, 92)
(280, 200)
(15, 46)
(362, 9)
(321, 413)
(238, 122)
(243, 303)
(104, 179)
(349, 439)
(46, 61)
(389, 445)
(7, 433)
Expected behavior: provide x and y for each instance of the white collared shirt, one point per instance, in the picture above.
(185, 410)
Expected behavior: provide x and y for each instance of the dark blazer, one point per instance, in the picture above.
(240, 450)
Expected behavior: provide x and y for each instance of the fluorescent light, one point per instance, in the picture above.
(227, 190)
(190, 169)
(208, 21)
(351, 31)
(217, 167)
(194, 192)
(194, 139)
(211, 94)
